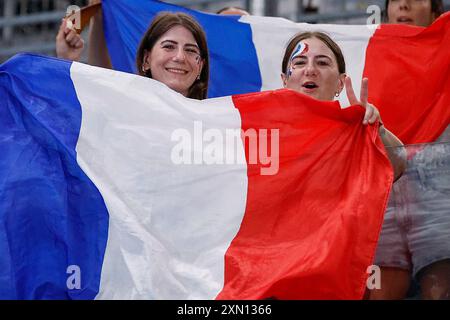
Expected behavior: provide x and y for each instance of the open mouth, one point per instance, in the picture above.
(310, 85)
(404, 20)
(176, 70)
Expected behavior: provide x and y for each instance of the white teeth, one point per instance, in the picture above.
(176, 71)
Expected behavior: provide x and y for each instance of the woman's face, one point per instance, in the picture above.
(175, 59)
(313, 70)
(413, 12)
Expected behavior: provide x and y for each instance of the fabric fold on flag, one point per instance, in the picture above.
(315, 236)
(409, 74)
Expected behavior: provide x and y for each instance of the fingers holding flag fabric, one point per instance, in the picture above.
(69, 44)
(372, 114)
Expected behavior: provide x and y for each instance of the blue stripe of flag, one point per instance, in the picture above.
(51, 215)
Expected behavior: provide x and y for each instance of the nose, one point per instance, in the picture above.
(180, 55)
(310, 69)
(404, 4)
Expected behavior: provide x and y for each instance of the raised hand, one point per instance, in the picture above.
(372, 114)
(69, 44)
(397, 158)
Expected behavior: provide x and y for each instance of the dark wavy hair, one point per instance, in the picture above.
(162, 23)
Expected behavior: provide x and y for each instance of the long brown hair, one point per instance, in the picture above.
(319, 35)
(162, 23)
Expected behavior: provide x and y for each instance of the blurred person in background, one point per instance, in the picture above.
(420, 13)
(233, 11)
(415, 239)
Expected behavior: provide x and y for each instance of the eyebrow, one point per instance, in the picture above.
(321, 56)
(186, 45)
(316, 57)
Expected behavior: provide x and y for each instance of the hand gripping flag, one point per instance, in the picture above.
(408, 67)
(113, 186)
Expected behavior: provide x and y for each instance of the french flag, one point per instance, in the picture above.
(113, 186)
(408, 67)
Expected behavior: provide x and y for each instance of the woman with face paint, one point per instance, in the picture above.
(314, 65)
(415, 238)
(172, 51)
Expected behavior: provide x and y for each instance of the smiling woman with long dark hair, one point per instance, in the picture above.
(173, 51)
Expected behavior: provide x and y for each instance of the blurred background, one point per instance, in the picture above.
(31, 25)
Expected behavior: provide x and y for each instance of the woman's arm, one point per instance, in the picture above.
(395, 151)
(97, 50)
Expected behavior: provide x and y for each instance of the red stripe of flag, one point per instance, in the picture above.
(409, 79)
(310, 231)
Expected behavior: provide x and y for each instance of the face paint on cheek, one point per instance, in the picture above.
(289, 72)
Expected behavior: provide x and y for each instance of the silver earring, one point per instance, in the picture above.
(198, 77)
(337, 94)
